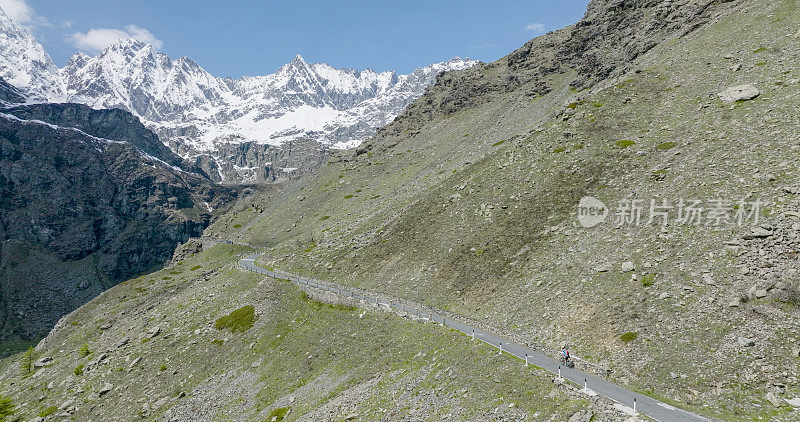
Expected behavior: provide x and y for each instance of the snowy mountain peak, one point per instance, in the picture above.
(78, 59)
(25, 65)
(298, 64)
(188, 65)
(197, 113)
(4, 19)
(190, 107)
(130, 51)
(128, 44)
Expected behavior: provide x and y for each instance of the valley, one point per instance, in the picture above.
(195, 291)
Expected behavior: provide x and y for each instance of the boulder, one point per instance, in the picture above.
(628, 266)
(123, 341)
(760, 232)
(779, 295)
(773, 399)
(795, 402)
(41, 363)
(152, 332)
(106, 388)
(746, 342)
(603, 268)
(739, 93)
(581, 416)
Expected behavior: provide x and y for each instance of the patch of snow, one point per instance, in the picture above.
(92, 137)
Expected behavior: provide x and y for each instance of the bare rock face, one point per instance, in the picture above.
(251, 162)
(114, 124)
(9, 95)
(87, 198)
(186, 250)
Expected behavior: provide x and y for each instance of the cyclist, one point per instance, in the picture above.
(565, 356)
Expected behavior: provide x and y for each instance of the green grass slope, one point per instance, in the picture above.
(475, 212)
(205, 340)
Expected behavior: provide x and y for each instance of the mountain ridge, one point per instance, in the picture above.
(469, 204)
(203, 118)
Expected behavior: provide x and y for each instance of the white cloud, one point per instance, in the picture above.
(97, 39)
(66, 24)
(536, 28)
(21, 13)
(144, 36)
(18, 10)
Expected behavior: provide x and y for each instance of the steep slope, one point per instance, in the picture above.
(113, 124)
(152, 348)
(610, 36)
(468, 201)
(473, 208)
(9, 95)
(89, 198)
(24, 64)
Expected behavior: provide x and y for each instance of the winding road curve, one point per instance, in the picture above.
(593, 384)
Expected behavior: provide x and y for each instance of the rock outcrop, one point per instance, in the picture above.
(609, 37)
(87, 198)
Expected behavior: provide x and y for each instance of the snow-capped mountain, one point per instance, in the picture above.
(189, 106)
(238, 129)
(25, 65)
(133, 76)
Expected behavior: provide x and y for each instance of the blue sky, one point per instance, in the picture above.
(236, 38)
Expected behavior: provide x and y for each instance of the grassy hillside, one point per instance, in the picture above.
(474, 211)
(205, 340)
(468, 202)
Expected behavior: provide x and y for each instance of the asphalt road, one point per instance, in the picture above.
(593, 384)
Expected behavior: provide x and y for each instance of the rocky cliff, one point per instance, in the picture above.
(89, 198)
